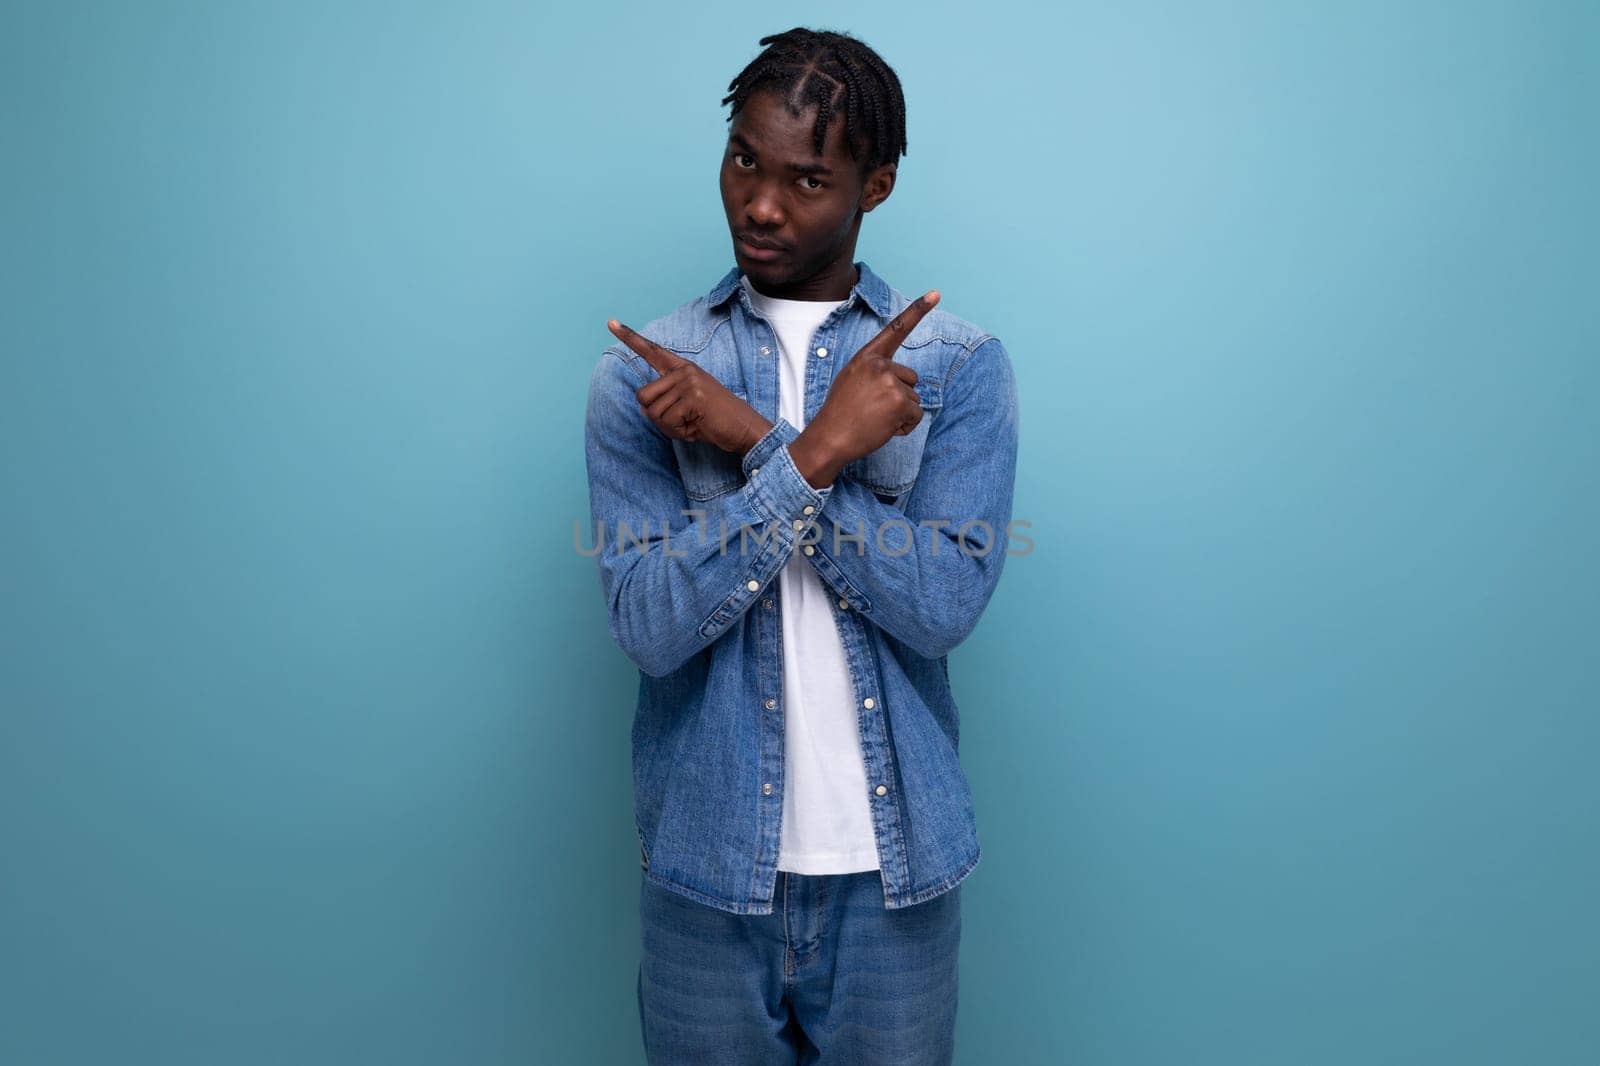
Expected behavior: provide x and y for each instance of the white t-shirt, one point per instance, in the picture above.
(827, 822)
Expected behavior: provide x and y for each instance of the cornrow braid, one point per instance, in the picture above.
(818, 66)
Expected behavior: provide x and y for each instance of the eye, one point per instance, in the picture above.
(813, 188)
(743, 155)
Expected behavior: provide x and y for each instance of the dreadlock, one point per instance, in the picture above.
(812, 67)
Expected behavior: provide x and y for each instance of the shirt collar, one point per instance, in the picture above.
(873, 290)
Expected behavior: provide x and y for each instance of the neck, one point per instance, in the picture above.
(830, 284)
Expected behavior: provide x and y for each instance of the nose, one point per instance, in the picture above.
(763, 211)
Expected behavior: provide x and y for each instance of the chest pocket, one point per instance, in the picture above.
(708, 471)
(891, 470)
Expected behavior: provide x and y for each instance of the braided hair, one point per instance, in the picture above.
(812, 67)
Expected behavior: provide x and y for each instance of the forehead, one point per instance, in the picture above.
(767, 124)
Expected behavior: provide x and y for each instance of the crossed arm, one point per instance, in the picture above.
(674, 582)
(925, 574)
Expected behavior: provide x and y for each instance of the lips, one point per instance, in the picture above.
(757, 250)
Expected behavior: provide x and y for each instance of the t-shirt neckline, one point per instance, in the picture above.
(778, 307)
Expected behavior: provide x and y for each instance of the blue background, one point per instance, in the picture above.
(314, 746)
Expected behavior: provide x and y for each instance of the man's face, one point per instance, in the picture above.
(777, 191)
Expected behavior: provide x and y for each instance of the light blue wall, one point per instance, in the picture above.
(314, 747)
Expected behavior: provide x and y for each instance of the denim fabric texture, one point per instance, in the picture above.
(911, 539)
(831, 976)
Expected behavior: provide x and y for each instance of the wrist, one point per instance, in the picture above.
(818, 461)
(756, 428)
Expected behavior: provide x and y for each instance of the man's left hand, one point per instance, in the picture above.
(687, 403)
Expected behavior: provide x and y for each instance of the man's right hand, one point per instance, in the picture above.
(872, 398)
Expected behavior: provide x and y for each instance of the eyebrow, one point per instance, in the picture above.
(798, 168)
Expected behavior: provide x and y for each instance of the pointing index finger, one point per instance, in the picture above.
(888, 342)
(658, 357)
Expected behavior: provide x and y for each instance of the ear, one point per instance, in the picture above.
(878, 185)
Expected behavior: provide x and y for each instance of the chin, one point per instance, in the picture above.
(790, 267)
(766, 273)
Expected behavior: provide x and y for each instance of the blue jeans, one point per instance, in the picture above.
(831, 976)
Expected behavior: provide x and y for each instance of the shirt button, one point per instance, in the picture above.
(823, 352)
(754, 470)
(765, 350)
(771, 703)
(752, 584)
(767, 603)
(867, 703)
(844, 605)
(880, 790)
(809, 509)
(809, 550)
(766, 790)
(799, 524)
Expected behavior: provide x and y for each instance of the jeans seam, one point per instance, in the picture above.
(788, 971)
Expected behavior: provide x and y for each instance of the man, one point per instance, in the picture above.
(802, 483)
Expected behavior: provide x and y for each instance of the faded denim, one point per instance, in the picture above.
(694, 605)
(831, 977)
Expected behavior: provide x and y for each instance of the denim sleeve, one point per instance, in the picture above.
(926, 582)
(676, 573)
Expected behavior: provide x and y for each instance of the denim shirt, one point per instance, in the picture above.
(689, 542)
